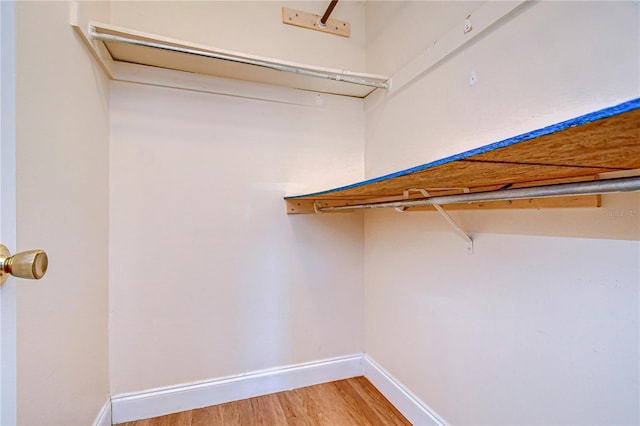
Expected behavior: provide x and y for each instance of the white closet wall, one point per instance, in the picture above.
(209, 277)
(167, 204)
(62, 167)
(537, 329)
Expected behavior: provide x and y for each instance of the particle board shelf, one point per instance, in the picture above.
(116, 44)
(577, 150)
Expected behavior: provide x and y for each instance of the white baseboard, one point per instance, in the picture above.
(158, 402)
(104, 417)
(416, 411)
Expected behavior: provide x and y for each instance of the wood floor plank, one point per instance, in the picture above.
(386, 412)
(330, 406)
(207, 416)
(267, 411)
(294, 409)
(348, 402)
(177, 419)
(356, 403)
(310, 407)
(237, 412)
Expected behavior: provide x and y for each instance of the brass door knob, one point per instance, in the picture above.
(30, 264)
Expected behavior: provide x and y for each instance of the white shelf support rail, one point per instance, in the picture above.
(608, 186)
(242, 60)
(483, 18)
(458, 230)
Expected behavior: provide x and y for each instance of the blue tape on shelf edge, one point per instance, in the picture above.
(554, 128)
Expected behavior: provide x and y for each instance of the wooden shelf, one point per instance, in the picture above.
(168, 53)
(575, 150)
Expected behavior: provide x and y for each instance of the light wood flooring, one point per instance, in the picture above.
(342, 403)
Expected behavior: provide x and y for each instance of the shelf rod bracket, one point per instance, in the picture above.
(444, 214)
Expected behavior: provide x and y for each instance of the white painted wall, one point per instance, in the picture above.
(253, 27)
(209, 276)
(62, 167)
(530, 329)
(529, 75)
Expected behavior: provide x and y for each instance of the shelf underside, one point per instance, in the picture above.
(575, 150)
(228, 68)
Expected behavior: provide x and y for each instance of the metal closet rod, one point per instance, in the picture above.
(607, 186)
(286, 68)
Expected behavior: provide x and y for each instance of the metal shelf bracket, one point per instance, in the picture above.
(444, 214)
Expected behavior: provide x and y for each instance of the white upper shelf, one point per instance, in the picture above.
(111, 43)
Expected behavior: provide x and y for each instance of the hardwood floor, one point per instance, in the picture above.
(345, 402)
